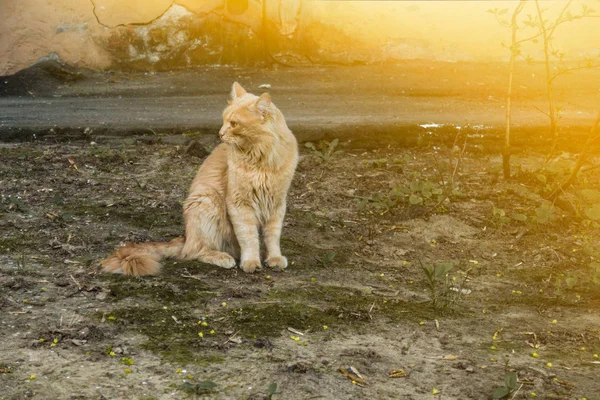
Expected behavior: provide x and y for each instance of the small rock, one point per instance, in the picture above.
(102, 295)
(300, 367)
(401, 252)
(262, 343)
(264, 86)
(62, 282)
(466, 367)
(55, 243)
(78, 342)
(84, 332)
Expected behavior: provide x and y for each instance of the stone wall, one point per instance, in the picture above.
(167, 34)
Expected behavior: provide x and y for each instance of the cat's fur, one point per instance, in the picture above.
(238, 193)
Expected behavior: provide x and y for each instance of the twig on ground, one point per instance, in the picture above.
(191, 276)
(75, 280)
(230, 338)
(517, 391)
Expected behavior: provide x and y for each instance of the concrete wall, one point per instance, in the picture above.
(165, 34)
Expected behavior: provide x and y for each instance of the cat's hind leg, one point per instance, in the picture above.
(218, 258)
(207, 230)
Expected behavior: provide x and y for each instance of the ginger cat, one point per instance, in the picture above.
(239, 191)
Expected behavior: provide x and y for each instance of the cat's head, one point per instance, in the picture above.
(246, 120)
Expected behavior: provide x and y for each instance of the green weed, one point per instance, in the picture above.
(326, 150)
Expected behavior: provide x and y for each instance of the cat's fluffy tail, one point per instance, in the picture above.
(137, 259)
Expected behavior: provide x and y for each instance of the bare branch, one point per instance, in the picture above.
(560, 20)
(567, 70)
(529, 38)
(592, 137)
(514, 52)
(542, 111)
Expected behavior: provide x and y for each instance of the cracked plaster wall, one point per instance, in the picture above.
(166, 34)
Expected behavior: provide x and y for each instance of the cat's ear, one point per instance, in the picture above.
(237, 90)
(263, 104)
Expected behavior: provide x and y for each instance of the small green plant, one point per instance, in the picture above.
(571, 280)
(16, 204)
(444, 290)
(271, 390)
(545, 213)
(200, 388)
(326, 150)
(419, 193)
(510, 385)
(422, 191)
(380, 203)
(327, 258)
(98, 151)
(379, 163)
(554, 172)
(501, 218)
(566, 281)
(437, 276)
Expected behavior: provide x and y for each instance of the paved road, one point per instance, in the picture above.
(317, 102)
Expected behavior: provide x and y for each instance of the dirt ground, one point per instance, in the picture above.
(522, 294)
(524, 298)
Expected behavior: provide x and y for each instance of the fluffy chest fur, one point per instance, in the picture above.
(258, 187)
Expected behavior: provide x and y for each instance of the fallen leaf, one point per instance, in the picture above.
(352, 377)
(73, 164)
(397, 373)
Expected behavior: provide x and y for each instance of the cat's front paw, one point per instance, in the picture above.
(278, 263)
(224, 260)
(249, 266)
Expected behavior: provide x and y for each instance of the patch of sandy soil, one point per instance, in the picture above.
(355, 294)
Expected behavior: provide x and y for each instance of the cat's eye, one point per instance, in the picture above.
(233, 124)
